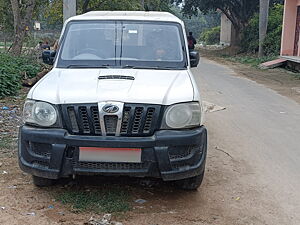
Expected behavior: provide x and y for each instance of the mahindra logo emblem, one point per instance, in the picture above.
(109, 108)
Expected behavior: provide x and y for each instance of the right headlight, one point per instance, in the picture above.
(40, 113)
(183, 115)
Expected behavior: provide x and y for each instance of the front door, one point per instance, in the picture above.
(297, 32)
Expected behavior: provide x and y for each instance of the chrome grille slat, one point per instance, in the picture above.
(73, 120)
(96, 119)
(149, 120)
(137, 121)
(110, 124)
(126, 120)
(84, 119)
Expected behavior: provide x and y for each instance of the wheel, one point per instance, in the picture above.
(42, 182)
(191, 183)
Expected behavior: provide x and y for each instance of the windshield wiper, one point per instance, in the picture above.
(88, 66)
(147, 67)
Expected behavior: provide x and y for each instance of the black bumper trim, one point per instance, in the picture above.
(155, 153)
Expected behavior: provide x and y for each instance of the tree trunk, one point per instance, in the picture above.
(263, 24)
(21, 20)
(85, 6)
(5, 44)
(143, 4)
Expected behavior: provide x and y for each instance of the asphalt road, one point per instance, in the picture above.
(260, 131)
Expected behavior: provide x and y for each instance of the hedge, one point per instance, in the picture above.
(250, 37)
(211, 36)
(12, 71)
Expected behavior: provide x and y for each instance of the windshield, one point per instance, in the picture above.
(125, 44)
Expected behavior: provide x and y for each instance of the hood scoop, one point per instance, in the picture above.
(115, 77)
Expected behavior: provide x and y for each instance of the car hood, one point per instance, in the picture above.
(65, 86)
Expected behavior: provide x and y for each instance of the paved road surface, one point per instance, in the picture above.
(261, 130)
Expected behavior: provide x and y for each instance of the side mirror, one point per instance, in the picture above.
(194, 58)
(48, 56)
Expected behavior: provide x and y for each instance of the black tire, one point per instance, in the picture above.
(42, 182)
(190, 184)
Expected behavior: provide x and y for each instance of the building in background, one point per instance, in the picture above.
(226, 31)
(291, 29)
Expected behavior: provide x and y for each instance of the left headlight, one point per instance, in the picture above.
(40, 113)
(183, 115)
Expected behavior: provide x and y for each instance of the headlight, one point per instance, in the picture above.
(39, 113)
(184, 115)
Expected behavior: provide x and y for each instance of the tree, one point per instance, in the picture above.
(6, 16)
(153, 5)
(237, 11)
(272, 42)
(6, 21)
(22, 14)
(54, 8)
(89, 5)
(197, 23)
(263, 24)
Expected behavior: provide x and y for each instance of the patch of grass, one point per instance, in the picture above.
(296, 75)
(6, 142)
(7, 43)
(251, 60)
(106, 200)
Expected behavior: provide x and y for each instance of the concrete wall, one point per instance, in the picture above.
(226, 30)
(289, 26)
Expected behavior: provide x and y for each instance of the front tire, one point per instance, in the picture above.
(42, 182)
(190, 184)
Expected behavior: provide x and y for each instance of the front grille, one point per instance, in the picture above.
(137, 120)
(110, 166)
(140, 120)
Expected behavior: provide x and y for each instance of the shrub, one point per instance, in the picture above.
(211, 36)
(12, 70)
(250, 36)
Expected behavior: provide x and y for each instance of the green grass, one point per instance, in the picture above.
(105, 200)
(296, 75)
(251, 60)
(6, 142)
(7, 43)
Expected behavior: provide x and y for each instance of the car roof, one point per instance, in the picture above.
(127, 15)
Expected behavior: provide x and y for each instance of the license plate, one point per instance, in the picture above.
(94, 154)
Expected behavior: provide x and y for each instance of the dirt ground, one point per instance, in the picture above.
(229, 194)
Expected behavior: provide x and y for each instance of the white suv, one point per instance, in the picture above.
(120, 100)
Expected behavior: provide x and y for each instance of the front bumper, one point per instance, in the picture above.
(168, 154)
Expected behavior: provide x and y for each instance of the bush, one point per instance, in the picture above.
(250, 37)
(251, 60)
(211, 36)
(12, 70)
